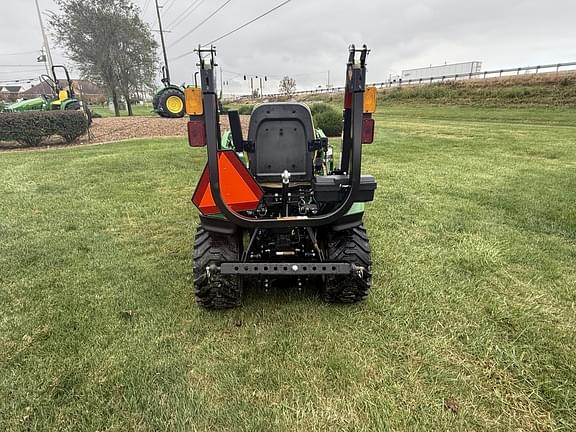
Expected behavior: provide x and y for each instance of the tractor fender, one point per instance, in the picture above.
(351, 219)
(163, 102)
(68, 102)
(156, 98)
(172, 87)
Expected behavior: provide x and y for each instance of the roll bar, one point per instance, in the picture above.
(70, 89)
(355, 81)
(49, 81)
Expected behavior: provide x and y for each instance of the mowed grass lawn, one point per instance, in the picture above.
(473, 233)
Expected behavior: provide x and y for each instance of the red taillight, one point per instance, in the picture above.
(238, 188)
(367, 129)
(196, 133)
(347, 99)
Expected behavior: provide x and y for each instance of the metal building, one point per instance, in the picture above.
(441, 71)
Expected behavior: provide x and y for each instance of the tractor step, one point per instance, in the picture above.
(288, 269)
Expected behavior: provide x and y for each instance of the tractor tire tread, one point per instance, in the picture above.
(163, 109)
(217, 291)
(351, 246)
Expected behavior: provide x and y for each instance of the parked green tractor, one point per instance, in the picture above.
(276, 205)
(61, 97)
(169, 100)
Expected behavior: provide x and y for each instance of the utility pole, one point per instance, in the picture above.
(221, 84)
(46, 44)
(328, 83)
(261, 89)
(162, 40)
(42, 59)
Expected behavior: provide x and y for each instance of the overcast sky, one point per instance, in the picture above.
(307, 38)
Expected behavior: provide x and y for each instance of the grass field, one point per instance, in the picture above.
(474, 244)
(535, 90)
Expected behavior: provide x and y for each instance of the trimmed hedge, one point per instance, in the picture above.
(30, 128)
(327, 118)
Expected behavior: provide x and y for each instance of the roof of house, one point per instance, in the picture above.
(10, 88)
(43, 88)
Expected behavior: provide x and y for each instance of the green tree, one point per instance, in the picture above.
(110, 43)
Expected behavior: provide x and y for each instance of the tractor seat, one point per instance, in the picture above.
(280, 133)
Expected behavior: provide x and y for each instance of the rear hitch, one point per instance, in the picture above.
(287, 269)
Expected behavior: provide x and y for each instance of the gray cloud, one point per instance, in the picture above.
(306, 38)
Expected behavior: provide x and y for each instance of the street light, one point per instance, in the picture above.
(252, 84)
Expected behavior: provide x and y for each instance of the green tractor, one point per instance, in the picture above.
(62, 98)
(169, 100)
(276, 205)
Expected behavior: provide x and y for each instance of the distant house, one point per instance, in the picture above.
(10, 93)
(88, 90)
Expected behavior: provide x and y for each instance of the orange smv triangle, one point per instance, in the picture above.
(239, 189)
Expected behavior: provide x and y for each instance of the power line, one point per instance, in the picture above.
(145, 7)
(201, 23)
(185, 14)
(247, 24)
(21, 80)
(167, 6)
(236, 29)
(18, 65)
(28, 71)
(274, 75)
(19, 53)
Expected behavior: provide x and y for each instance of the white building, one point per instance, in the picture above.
(438, 72)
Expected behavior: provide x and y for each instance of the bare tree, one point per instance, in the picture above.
(287, 86)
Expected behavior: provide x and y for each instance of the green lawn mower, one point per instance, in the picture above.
(169, 100)
(277, 206)
(61, 98)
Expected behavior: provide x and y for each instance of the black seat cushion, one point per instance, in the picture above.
(280, 133)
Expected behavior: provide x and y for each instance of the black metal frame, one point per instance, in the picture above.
(70, 89)
(348, 133)
(355, 82)
(164, 80)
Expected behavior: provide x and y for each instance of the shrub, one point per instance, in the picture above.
(319, 107)
(330, 121)
(245, 109)
(30, 128)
